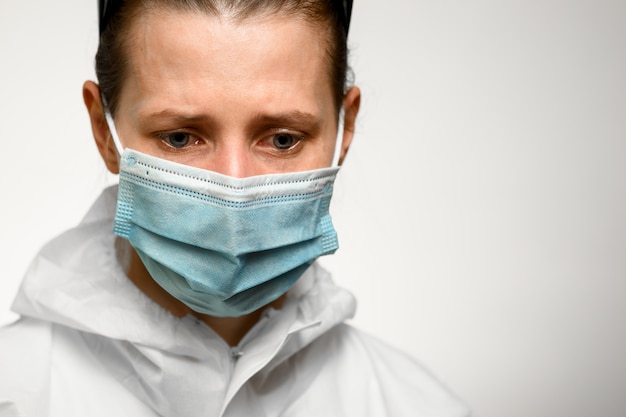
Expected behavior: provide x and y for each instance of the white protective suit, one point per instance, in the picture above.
(90, 344)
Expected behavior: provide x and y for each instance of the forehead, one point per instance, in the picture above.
(186, 55)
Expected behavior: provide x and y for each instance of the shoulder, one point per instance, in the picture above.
(384, 376)
(24, 347)
(24, 360)
(41, 363)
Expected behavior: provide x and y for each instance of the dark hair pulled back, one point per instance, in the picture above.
(112, 58)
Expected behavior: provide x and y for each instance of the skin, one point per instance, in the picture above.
(242, 98)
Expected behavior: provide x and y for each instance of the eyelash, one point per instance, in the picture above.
(191, 139)
(296, 139)
(168, 136)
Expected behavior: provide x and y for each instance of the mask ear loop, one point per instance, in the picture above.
(112, 129)
(339, 140)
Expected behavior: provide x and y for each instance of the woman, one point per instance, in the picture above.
(222, 119)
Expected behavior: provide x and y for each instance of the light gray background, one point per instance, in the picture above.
(482, 209)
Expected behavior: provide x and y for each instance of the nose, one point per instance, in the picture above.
(233, 158)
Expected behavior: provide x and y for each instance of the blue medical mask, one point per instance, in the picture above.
(224, 246)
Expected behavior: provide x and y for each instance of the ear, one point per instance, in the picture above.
(99, 127)
(351, 104)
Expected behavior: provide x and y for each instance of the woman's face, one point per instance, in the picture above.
(241, 99)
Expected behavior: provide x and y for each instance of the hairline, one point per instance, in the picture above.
(238, 15)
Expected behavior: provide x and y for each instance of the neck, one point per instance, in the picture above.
(230, 329)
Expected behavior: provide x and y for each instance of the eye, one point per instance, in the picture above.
(176, 139)
(284, 141)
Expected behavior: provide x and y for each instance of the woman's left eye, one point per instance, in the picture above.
(176, 139)
(284, 141)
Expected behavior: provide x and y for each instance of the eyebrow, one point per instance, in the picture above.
(178, 117)
(295, 117)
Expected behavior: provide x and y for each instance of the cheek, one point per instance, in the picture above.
(322, 153)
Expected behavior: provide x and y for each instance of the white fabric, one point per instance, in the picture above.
(89, 343)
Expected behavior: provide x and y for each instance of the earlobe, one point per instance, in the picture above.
(351, 104)
(99, 127)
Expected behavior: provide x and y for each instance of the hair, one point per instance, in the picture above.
(112, 58)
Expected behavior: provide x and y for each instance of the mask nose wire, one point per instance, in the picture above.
(113, 130)
(339, 140)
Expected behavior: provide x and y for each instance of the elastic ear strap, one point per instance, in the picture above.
(113, 130)
(339, 140)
